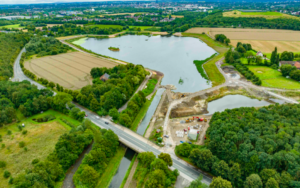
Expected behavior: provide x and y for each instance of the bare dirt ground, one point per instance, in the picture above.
(159, 33)
(70, 70)
(250, 34)
(176, 125)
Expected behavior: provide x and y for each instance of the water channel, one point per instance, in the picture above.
(237, 101)
(123, 167)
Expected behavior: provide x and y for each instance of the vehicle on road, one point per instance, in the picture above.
(106, 123)
(167, 136)
(181, 142)
(189, 142)
(97, 117)
(86, 115)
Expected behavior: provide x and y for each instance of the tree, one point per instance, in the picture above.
(253, 181)
(156, 179)
(146, 158)
(287, 56)
(166, 157)
(272, 183)
(202, 158)
(51, 85)
(221, 169)
(220, 183)
(59, 102)
(114, 113)
(184, 149)
(235, 175)
(266, 174)
(88, 176)
(125, 120)
(274, 56)
(94, 105)
(241, 49)
(286, 69)
(197, 183)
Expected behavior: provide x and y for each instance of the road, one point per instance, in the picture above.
(126, 136)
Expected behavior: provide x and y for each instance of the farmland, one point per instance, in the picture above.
(264, 40)
(267, 15)
(273, 78)
(40, 141)
(71, 70)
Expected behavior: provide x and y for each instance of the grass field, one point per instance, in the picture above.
(39, 140)
(111, 168)
(12, 26)
(70, 70)
(210, 67)
(105, 26)
(273, 78)
(142, 27)
(267, 15)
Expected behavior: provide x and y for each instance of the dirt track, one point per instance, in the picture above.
(71, 70)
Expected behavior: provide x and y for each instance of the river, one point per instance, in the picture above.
(172, 56)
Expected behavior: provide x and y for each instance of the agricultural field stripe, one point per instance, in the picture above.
(102, 59)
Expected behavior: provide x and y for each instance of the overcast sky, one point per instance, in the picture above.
(43, 1)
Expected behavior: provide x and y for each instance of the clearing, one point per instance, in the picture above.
(267, 15)
(105, 26)
(70, 70)
(40, 141)
(16, 26)
(273, 78)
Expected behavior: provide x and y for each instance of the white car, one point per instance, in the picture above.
(97, 117)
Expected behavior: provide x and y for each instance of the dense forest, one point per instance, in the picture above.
(10, 45)
(249, 145)
(43, 46)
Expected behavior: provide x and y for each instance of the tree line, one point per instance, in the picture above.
(93, 165)
(10, 45)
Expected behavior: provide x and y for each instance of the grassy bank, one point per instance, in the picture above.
(111, 168)
(150, 86)
(141, 114)
(128, 171)
(210, 67)
(199, 64)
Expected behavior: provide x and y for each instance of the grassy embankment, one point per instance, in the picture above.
(199, 64)
(273, 78)
(267, 15)
(111, 168)
(128, 171)
(210, 67)
(15, 26)
(40, 141)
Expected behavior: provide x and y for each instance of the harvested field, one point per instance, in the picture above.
(268, 46)
(250, 34)
(267, 15)
(70, 70)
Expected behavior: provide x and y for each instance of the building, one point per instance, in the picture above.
(193, 133)
(104, 77)
(293, 63)
(260, 54)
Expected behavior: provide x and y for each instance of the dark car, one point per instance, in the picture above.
(86, 115)
(189, 142)
(106, 123)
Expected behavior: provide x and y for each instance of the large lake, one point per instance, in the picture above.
(172, 56)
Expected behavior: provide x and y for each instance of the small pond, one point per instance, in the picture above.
(237, 101)
(173, 56)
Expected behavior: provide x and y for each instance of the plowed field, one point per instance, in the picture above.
(70, 70)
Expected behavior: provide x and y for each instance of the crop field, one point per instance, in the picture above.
(267, 15)
(273, 78)
(264, 40)
(40, 141)
(70, 70)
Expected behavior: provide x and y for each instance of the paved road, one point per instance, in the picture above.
(128, 137)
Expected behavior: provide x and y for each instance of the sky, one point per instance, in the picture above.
(43, 1)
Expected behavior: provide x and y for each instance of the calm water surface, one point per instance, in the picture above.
(237, 101)
(172, 56)
(123, 167)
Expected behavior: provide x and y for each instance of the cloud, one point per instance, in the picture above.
(44, 1)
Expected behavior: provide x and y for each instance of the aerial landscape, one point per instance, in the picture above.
(149, 94)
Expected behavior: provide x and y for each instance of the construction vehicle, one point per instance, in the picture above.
(205, 120)
(189, 120)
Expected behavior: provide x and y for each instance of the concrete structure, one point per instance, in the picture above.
(193, 134)
(104, 77)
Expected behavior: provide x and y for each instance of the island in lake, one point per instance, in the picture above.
(114, 49)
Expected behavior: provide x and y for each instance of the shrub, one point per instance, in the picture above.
(2, 164)
(25, 149)
(9, 132)
(3, 146)
(21, 144)
(24, 132)
(6, 174)
(20, 127)
(274, 67)
(11, 180)
(35, 161)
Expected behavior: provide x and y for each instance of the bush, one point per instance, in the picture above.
(9, 132)
(24, 132)
(35, 161)
(21, 144)
(2, 164)
(25, 149)
(6, 174)
(274, 67)
(11, 180)
(3, 146)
